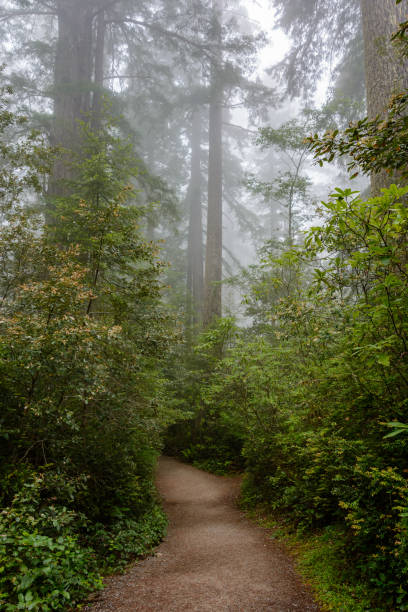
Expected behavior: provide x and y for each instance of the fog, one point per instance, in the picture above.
(155, 67)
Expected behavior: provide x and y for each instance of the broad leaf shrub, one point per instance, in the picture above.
(82, 336)
(127, 538)
(343, 341)
(43, 563)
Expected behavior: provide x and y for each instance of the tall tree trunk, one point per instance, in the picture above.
(72, 81)
(99, 70)
(213, 257)
(386, 74)
(195, 275)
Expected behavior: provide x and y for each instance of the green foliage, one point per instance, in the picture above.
(321, 560)
(205, 435)
(397, 429)
(372, 145)
(319, 30)
(311, 389)
(24, 159)
(82, 335)
(43, 563)
(289, 190)
(127, 538)
(51, 555)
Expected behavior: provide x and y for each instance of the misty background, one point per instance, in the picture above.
(153, 80)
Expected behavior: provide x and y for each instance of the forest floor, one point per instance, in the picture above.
(213, 558)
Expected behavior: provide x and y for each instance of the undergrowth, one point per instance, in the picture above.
(51, 557)
(321, 561)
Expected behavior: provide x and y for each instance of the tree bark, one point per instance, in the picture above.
(99, 70)
(386, 73)
(72, 82)
(195, 275)
(213, 258)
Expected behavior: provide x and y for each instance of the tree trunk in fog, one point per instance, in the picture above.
(99, 72)
(72, 81)
(213, 257)
(386, 74)
(195, 276)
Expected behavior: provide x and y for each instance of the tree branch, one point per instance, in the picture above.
(154, 27)
(11, 14)
(240, 127)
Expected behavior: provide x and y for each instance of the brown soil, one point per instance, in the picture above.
(213, 558)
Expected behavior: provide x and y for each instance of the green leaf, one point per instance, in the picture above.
(384, 360)
(398, 427)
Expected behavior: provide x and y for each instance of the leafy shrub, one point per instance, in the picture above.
(82, 334)
(206, 436)
(375, 503)
(127, 538)
(39, 572)
(51, 556)
(44, 564)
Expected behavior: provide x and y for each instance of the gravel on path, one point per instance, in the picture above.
(213, 558)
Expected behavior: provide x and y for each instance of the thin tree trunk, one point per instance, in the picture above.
(290, 217)
(386, 74)
(195, 274)
(213, 259)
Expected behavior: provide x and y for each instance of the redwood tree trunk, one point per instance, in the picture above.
(72, 81)
(213, 257)
(386, 74)
(99, 69)
(195, 276)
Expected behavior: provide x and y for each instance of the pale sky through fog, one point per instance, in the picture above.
(263, 13)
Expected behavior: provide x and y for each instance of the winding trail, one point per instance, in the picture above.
(213, 558)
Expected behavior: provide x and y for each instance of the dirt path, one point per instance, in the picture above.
(212, 559)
